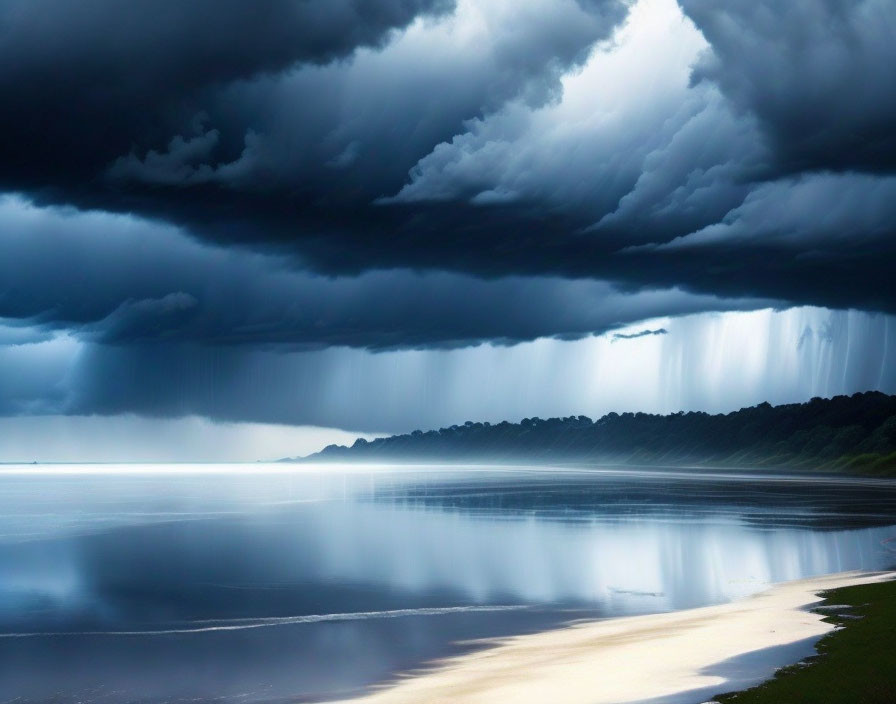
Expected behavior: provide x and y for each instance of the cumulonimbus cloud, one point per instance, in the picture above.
(411, 149)
(152, 283)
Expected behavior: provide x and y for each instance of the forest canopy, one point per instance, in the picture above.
(856, 433)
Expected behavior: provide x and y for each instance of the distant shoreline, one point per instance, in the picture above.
(628, 659)
(848, 434)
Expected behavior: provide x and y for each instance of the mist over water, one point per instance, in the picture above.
(261, 583)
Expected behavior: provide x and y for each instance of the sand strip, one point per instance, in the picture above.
(623, 659)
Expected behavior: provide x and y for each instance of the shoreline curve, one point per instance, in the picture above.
(624, 659)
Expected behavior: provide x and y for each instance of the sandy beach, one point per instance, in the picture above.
(624, 659)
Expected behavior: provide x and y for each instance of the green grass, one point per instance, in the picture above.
(873, 463)
(855, 665)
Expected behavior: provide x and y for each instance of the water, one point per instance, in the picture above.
(270, 583)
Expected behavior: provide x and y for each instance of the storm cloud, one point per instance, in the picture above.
(84, 81)
(489, 139)
(109, 279)
(636, 335)
(818, 76)
(208, 185)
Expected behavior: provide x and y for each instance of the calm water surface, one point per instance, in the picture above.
(277, 583)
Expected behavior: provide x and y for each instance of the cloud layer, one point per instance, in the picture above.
(484, 138)
(213, 181)
(112, 280)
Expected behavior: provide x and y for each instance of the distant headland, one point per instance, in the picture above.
(846, 433)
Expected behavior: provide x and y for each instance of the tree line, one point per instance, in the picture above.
(855, 432)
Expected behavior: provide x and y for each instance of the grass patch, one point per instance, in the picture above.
(855, 665)
(869, 463)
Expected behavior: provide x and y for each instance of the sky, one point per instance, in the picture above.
(243, 231)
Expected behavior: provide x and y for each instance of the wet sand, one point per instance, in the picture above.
(628, 659)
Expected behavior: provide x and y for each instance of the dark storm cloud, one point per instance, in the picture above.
(828, 234)
(242, 131)
(819, 75)
(303, 156)
(828, 212)
(696, 161)
(114, 280)
(636, 335)
(84, 82)
(492, 139)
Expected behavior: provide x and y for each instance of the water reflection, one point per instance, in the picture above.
(156, 586)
